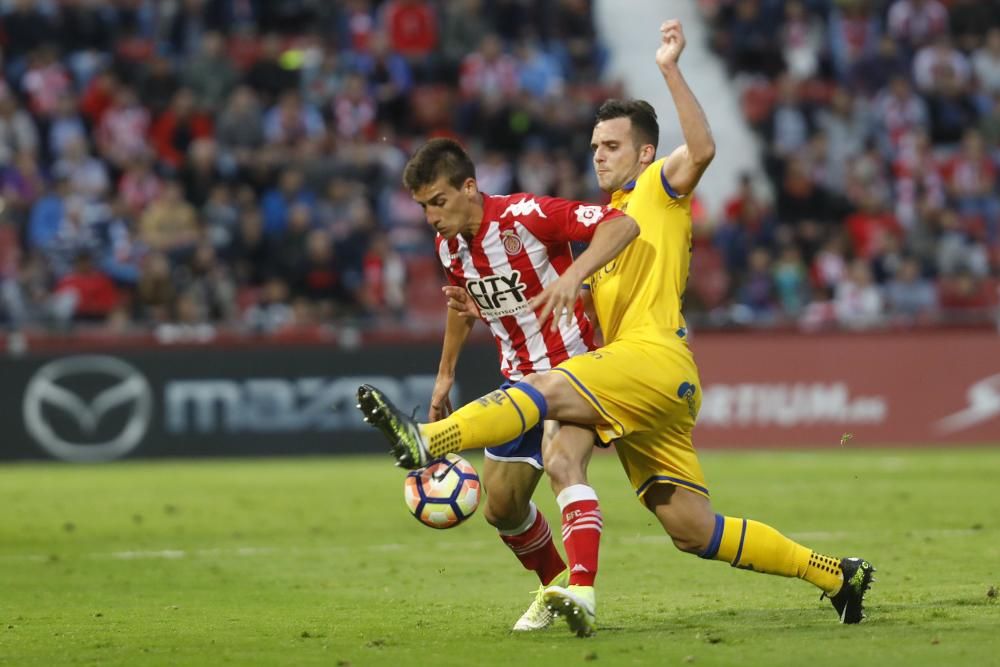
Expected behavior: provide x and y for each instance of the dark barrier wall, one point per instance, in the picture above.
(97, 406)
(759, 390)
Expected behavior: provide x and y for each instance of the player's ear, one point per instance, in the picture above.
(470, 188)
(647, 153)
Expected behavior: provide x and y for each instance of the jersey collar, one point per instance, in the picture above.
(629, 187)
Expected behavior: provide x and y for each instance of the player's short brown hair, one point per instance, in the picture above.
(645, 127)
(438, 158)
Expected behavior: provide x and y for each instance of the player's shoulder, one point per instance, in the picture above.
(653, 186)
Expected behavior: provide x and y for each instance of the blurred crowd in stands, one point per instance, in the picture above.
(189, 165)
(879, 123)
(186, 166)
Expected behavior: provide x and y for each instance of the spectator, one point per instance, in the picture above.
(867, 226)
(92, 293)
(957, 251)
(26, 27)
(873, 72)
(971, 20)
(853, 35)
(756, 295)
(44, 82)
(916, 23)
(801, 40)
(951, 109)
(18, 131)
(354, 109)
(210, 75)
(121, 134)
(939, 61)
(209, 284)
(240, 130)
(846, 129)
(170, 224)
(541, 75)
(909, 296)
(158, 85)
(986, 63)
(898, 110)
(139, 185)
(791, 283)
(384, 279)
(65, 126)
(292, 121)
(389, 80)
(272, 312)
(267, 76)
(488, 71)
(278, 202)
(412, 28)
(155, 289)
(21, 184)
(857, 302)
(462, 30)
(323, 79)
(971, 179)
(967, 298)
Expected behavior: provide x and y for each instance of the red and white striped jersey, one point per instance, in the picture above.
(523, 245)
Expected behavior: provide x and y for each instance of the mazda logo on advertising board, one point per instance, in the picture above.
(88, 408)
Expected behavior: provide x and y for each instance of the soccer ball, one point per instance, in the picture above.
(444, 493)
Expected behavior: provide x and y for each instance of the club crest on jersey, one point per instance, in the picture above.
(589, 215)
(523, 208)
(511, 242)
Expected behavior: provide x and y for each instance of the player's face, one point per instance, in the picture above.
(449, 210)
(616, 156)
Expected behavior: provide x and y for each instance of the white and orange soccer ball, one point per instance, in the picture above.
(444, 493)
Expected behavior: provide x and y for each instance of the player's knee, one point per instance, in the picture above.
(564, 469)
(690, 544)
(540, 381)
(689, 524)
(504, 512)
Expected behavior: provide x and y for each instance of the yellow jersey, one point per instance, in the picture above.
(640, 292)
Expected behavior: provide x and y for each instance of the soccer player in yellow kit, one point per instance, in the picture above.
(641, 390)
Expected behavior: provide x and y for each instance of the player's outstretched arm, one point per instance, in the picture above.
(683, 168)
(559, 297)
(456, 332)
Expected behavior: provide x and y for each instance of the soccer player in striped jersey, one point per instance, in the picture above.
(498, 253)
(641, 390)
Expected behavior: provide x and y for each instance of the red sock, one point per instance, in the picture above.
(533, 546)
(581, 530)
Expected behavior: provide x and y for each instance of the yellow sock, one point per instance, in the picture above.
(494, 419)
(751, 545)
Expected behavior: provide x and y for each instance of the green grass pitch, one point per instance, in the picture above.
(316, 561)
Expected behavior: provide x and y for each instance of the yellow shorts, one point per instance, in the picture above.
(649, 393)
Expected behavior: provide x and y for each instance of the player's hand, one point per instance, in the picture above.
(557, 299)
(440, 398)
(459, 301)
(672, 42)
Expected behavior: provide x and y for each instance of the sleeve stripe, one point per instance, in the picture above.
(666, 186)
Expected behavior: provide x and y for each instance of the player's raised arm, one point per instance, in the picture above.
(684, 167)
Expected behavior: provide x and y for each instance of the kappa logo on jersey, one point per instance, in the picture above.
(500, 295)
(523, 208)
(589, 215)
(511, 242)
